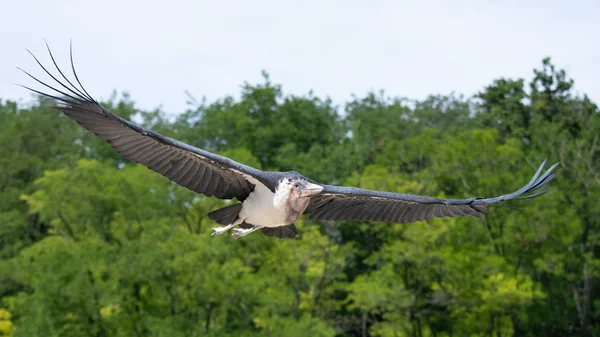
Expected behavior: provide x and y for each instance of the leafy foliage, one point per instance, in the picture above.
(92, 245)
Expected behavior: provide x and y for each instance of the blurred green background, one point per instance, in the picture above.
(91, 245)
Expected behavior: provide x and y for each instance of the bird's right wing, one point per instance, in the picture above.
(198, 170)
(350, 203)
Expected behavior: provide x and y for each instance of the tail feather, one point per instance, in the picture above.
(283, 232)
(226, 215)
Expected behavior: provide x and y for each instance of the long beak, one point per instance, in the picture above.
(310, 190)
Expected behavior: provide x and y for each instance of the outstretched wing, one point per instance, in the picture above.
(198, 170)
(350, 203)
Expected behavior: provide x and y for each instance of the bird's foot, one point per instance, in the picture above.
(220, 230)
(239, 232)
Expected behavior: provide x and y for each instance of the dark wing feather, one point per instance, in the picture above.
(349, 203)
(200, 171)
(283, 232)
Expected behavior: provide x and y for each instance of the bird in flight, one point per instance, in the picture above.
(268, 201)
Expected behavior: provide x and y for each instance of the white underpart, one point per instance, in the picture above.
(261, 207)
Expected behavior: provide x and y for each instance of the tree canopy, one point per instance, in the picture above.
(94, 245)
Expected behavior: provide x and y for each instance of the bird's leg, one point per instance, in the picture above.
(223, 229)
(239, 232)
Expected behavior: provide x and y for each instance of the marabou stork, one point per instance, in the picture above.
(269, 201)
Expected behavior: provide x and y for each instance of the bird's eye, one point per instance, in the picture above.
(296, 185)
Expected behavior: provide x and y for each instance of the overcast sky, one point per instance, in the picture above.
(156, 50)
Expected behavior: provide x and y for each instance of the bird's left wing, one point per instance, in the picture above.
(198, 170)
(350, 203)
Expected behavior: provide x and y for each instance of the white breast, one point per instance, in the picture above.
(259, 208)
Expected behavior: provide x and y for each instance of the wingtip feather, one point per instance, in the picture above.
(538, 181)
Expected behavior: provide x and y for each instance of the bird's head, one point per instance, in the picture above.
(298, 188)
(293, 194)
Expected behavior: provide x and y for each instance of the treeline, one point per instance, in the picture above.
(91, 245)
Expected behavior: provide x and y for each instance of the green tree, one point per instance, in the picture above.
(94, 245)
(6, 325)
